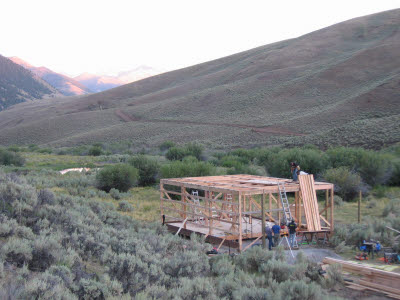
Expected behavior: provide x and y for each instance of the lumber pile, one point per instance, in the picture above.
(310, 203)
(372, 279)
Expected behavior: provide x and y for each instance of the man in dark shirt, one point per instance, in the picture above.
(276, 229)
(292, 232)
(268, 232)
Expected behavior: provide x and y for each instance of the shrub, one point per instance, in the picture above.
(166, 145)
(252, 259)
(334, 276)
(193, 149)
(372, 204)
(125, 206)
(148, 169)
(11, 158)
(187, 169)
(222, 265)
(310, 160)
(338, 201)
(347, 184)
(114, 193)
(176, 153)
(300, 290)
(121, 177)
(17, 251)
(341, 248)
(95, 151)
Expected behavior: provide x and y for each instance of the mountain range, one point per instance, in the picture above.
(86, 83)
(18, 84)
(337, 85)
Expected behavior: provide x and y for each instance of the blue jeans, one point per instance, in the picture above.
(270, 242)
(292, 236)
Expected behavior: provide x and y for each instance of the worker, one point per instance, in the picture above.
(293, 170)
(292, 232)
(268, 232)
(276, 230)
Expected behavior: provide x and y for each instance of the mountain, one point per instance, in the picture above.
(66, 85)
(19, 85)
(337, 85)
(100, 83)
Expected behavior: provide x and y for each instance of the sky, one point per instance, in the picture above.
(106, 37)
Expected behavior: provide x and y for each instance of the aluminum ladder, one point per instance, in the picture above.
(287, 215)
(196, 210)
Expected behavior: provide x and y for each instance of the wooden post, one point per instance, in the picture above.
(161, 198)
(326, 203)
(240, 221)
(279, 212)
(183, 199)
(296, 206)
(359, 207)
(331, 209)
(270, 206)
(300, 216)
(264, 244)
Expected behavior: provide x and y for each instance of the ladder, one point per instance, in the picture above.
(196, 201)
(287, 215)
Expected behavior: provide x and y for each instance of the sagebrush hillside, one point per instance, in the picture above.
(19, 85)
(337, 85)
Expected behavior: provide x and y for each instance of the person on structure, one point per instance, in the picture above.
(293, 170)
(292, 232)
(268, 232)
(276, 229)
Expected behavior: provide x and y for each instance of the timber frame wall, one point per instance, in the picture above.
(227, 202)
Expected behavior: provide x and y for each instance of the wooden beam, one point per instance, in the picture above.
(240, 222)
(263, 221)
(252, 243)
(331, 210)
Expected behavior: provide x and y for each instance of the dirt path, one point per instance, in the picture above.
(266, 129)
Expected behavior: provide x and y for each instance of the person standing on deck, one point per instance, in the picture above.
(268, 232)
(292, 232)
(276, 230)
(293, 170)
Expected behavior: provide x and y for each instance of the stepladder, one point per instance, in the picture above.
(287, 214)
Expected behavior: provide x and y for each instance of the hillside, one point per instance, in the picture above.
(66, 85)
(337, 85)
(19, 85)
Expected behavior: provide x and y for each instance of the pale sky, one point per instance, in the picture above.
(76, 36)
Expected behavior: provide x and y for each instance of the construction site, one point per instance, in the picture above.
(228, 209)
(232, 211)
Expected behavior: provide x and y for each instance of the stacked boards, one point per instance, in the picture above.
(369, 278)
(310, 202)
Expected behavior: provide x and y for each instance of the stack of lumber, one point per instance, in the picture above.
(372, 279)
(310, 203)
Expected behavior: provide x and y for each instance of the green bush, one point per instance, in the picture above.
(121, 177)
(187, 168)
(148, 169)
(176, 153)
(310, 160)
(115, 194)
(11, 158)
(347, 184)
(166, 145)
(95, 151)
(125, 206)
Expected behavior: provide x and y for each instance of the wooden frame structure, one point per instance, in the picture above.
(228, 209)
